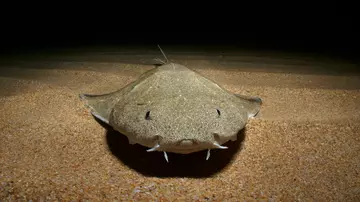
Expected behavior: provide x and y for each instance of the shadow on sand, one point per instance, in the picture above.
(153, 164)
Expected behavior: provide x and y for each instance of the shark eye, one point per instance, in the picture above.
(218, 111)
(147, 116)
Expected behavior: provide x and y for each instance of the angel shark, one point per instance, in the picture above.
(172, 108)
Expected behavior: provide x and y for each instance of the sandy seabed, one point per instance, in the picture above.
(305, 145)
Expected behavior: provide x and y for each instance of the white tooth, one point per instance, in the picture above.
(208, 154)
(154, 148)
(219, 146)
(166, 157)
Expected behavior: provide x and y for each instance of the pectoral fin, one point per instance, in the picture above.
(253, 104)
(100, 105)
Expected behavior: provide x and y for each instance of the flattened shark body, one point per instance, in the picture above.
(174, 109)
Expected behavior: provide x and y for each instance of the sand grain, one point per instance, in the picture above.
(304, 146)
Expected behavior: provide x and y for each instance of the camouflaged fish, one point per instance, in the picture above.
(174, 109)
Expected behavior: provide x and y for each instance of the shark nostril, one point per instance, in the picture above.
(218, 111)
(147, 115)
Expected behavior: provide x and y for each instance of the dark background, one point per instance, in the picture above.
(328, 29)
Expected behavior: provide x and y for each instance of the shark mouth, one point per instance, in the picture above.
(215, 146)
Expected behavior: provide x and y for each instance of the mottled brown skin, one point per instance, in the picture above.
(176, 108)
